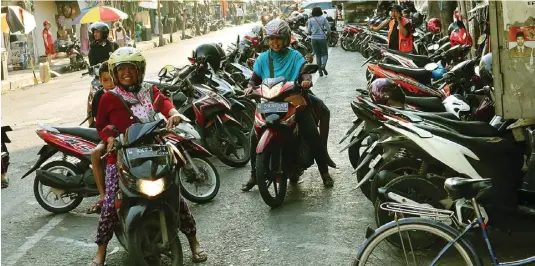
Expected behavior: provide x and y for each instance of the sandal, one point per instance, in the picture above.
(200, 256)
(5, 183)
(96, 263)
(96, 208)
(327, 180)
(248, 186)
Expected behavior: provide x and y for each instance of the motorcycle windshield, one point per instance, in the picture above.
(137, 132)
(270, 82)
(149, 162)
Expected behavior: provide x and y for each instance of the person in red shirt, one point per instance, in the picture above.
(131, 101)
(49, 41)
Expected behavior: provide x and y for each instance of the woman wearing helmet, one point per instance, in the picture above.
(282, 61)
(101, 47)
(128, 103)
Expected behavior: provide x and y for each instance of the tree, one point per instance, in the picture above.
(196, 19)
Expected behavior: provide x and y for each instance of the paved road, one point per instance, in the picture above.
(316, 226)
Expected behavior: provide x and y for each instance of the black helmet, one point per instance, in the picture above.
(210, 53)
(102, 27)
(485, 69)
(417, 19)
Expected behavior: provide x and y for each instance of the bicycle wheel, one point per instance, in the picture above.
(377, 250)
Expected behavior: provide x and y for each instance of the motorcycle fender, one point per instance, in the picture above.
(267, 137)
(134, 216)
(199, 150)
(44, 154)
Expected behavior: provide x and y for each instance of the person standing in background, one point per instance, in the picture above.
(48, 41)
(139, 28)
(239, 15)
(119, 33)
(84, 39)
(319, 29)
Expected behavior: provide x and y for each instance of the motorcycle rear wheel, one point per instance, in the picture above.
(344, 43)
(137, 248)
(208, 170)
(38, 192)
(265, 179)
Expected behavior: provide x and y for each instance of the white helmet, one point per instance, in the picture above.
(455, 104)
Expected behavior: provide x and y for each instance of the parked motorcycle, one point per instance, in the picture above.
(5, 155)
(221, 133)
(76, 59)
(61, 184)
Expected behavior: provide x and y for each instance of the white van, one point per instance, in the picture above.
(329, 6)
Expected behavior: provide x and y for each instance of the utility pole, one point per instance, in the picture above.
(160, 25)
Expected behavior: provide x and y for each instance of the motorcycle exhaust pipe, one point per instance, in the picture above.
(59, 181)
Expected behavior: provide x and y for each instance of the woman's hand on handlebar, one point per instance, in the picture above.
(173, 121)
(306, 84)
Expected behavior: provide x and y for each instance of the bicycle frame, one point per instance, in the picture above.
(479, 221)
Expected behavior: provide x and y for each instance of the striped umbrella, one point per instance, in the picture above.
(100, 13)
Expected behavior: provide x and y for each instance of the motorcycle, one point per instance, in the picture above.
(76, 59)
(147, 204)
(70, 178)
(281, 154)
(221, 133)
(5, 155)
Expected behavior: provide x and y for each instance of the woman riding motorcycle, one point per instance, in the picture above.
(288, 63)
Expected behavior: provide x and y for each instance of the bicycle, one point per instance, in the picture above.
(431, 230)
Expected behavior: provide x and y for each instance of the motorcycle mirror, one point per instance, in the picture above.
(431, 66)
(310, 68)
(162, 72)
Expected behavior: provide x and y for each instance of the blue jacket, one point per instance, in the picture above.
(315, 26)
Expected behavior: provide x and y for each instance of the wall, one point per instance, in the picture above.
(44, 10)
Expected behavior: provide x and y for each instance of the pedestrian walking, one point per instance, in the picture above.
(319, 29)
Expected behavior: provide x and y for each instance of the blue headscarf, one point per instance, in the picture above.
(286, 64)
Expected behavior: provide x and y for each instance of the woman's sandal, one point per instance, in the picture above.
(96, 208)
(200, 256)
(248, 186)
(5, 183)
(327, 180)
(96, 263)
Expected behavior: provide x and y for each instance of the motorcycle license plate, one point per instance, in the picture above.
(273, 107)
(147, 152)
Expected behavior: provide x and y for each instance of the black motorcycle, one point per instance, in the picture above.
(149, 194)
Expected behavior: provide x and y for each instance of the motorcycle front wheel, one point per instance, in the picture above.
(266, 179)
(230, 145)
(200, 188)
(144, 244)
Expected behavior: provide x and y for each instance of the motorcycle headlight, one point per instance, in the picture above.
(151, 188)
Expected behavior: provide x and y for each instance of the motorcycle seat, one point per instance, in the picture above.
(464, 188)
(419, 60)
(89, 134)
(445, 115)
(419, 74)
(427, 104)
(468, 128)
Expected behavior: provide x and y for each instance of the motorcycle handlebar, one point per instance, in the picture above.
(186, 71)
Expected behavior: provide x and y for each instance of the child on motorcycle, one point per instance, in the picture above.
(98, 171)
(129, 102)
(288, 63)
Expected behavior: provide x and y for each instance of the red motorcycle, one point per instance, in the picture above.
(281, 153)
(221, 134)
(61, 184)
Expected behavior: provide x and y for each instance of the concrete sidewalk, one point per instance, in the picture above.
(23, 78)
